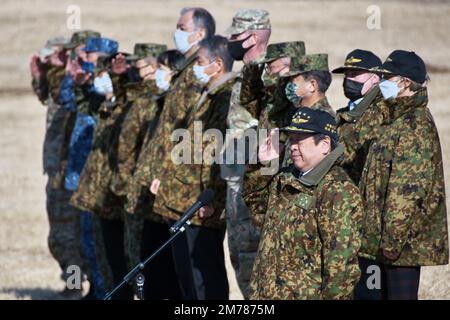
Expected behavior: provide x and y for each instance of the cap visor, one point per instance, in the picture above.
(343, 69)
(70, 45)
(291, 74)
(291, 129)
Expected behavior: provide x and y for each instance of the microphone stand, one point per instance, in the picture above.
(136, 272)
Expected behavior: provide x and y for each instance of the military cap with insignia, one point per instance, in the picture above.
(284, 49)
(144, 50)
(358, 59)
(307, 120)
(406, 64)
(249, 19)
(80, 37)
(307, 63)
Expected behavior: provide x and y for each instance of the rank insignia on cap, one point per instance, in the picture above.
(352, 60)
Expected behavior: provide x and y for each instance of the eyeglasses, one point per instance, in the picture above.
(269, 69)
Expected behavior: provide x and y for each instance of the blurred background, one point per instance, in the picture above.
(27, 270)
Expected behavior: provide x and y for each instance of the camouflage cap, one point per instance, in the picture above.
(56, 41)
(306, 63)
(51, 46)
(80, 37)
(284, 49)
(144, 50)
(249, 19)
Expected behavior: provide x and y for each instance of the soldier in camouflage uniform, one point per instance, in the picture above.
(249, 35)
(84, 94)
(309, 80)
(402, 183)
(128, 138)
(312, 210)
(182, 181)
(275, 110)
(122, 232)
(194, 25)
(357, 122)
(48, 72)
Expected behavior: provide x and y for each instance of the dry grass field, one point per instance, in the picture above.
(27, 270)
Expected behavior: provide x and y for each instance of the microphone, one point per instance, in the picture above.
(203, 199)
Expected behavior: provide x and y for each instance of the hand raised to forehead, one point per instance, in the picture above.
(35, 66)
(119, 64)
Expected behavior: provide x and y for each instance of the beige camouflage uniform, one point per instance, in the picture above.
(243, 236)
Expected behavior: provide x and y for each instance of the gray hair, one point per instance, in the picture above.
(202, 19)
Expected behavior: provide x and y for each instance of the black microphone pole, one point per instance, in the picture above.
(179, 227)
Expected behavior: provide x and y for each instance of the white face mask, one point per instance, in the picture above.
(389, 89)
(181, 39)
(103, 85)
(160, 79)
(200, 74)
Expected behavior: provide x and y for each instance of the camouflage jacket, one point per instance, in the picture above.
(403, 189)
(129, 136)
(310, 237)
(247, 91)
(276, 111)
(179, 102)
(67, 122)
(93, 193)
(40, 85)
(323, 105)
(56, 121)
(181, 184)
(356, 129)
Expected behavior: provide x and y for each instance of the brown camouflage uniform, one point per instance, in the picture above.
(403, 189)
(125, 146)
(181, 184)
(310, 237)
(179, 101)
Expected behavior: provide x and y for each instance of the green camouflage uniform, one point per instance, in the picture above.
(179, 101)
(243, 117)
(402, 186)
(276, 110)
(126, 143)
(91, 194)
(310, 238)
(181, 184)
(356, 129)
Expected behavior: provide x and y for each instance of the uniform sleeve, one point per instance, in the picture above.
(210, 172)
(411, 174)
(257, 203)
(238, 116)
(252, 88)
(339, 223)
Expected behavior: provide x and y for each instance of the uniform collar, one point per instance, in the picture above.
(314, 176)
(216, 86)
(401, 106)
(322, 104)
(362, 106)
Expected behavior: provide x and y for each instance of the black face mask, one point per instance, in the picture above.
(237, 51)
(133, 75)
(352, 89)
